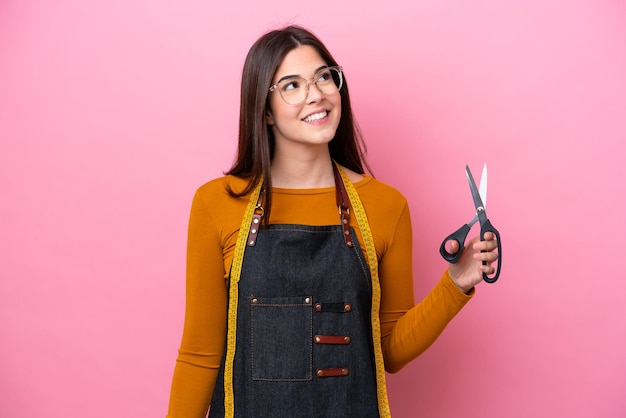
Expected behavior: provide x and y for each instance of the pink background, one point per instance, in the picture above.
(113, 113)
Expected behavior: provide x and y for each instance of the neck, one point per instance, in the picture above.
(303, 172)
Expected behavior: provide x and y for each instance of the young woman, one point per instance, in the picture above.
(299, 275)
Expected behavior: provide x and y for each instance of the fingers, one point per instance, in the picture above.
(489, 256)
(487, 269)
(484, 250)
(452, 246)
(489, 244)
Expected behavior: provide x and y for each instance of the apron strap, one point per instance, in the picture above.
(257, 214)
(343, 203)
(344, 206)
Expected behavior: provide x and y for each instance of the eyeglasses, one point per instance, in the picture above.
(294, 90)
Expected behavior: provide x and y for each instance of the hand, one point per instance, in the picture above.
(468, 271)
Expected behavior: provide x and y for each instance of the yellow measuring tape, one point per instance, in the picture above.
(372, 261)
(233, 299)
(370, 250)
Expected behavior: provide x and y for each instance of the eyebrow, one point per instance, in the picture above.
(287, 77)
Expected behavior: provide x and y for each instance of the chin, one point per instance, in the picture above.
(325, 139)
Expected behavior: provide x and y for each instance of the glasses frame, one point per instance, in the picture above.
(308, 83)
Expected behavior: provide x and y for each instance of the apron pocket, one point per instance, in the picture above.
(281, 338)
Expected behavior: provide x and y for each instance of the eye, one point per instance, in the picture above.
(290, 85)
(324, 76)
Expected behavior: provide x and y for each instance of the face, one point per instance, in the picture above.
(311, 123)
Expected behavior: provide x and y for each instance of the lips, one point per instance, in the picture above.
(316, 116)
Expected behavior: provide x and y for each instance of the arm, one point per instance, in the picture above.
(204, 331)
(407, 329)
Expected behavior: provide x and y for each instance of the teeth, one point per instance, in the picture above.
(315, 116)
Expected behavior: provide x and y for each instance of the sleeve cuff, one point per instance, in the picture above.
(451, 288)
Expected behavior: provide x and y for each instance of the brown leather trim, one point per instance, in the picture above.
(254, 229)
(332, 339)
(255, 223)
(344, 206)
(340, 307)
(332, 372)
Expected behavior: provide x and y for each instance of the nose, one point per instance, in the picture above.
(314, 94)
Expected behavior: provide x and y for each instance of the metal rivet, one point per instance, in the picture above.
(346, 339)
(255, 220)
(318, 307)
(344, 371)
(319, 372)
(347, 307)
(345, 221)
(347, 232)
(307, 300)
(349, 244)
(255, 300)
(317, 339)
(253, 231)
(251, 242)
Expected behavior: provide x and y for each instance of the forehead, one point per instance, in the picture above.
(302, 61)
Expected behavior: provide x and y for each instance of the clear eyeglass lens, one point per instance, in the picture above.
(295, 90)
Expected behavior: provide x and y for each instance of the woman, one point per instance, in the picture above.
(299, 276)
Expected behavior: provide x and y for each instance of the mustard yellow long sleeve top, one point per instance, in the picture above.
(406, 329)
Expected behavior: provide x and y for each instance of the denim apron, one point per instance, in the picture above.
(304, 339)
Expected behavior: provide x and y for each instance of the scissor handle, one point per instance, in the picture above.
(487, 227)
(459, 236)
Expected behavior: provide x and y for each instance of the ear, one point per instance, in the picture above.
(269, 119)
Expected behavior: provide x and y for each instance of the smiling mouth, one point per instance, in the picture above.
(316, 116)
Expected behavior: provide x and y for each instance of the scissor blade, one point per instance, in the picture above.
(482, 189)
(478, 203)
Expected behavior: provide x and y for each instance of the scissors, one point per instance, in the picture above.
(479, 196)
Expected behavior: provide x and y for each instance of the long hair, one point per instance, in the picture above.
(256, 141)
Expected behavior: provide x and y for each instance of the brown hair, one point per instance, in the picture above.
(256, 141)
